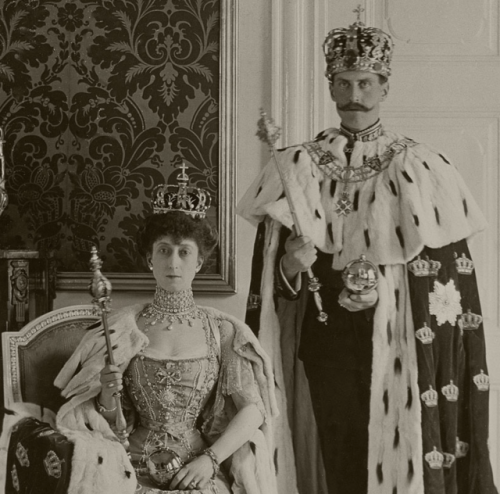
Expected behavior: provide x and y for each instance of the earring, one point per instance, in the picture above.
(150, 267)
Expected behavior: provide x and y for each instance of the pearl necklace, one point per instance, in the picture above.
(170, 307)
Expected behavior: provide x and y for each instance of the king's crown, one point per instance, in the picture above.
(186, 199)
(357, 48)
(464, 265)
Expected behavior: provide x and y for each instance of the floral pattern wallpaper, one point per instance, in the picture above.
(99, 101)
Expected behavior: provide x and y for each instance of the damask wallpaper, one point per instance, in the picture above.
(99, 100)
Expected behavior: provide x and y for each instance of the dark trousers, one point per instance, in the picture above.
(340, 399)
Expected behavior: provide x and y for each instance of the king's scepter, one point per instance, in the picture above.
(100, 289)
(269, 133)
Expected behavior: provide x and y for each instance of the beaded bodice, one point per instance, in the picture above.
(169, 393)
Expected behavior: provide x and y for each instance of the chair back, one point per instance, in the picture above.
(33, 356)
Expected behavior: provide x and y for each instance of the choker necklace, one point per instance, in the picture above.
(170, 307)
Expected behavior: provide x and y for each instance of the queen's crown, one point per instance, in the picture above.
(464, 265)
(434, 459)
(357, 47)
(430, 397)
(469, 321)
(424, 267)
(450, 391)
(186, 199)
(482, 381)
(425, 334)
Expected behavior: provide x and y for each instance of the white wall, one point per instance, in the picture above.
(253, 92)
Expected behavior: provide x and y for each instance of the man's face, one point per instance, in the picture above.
(358, 91)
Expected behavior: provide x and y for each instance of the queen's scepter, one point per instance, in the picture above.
(4, 198)
(269, 133)
(100, 289)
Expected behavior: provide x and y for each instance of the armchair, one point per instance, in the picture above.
(32, 358)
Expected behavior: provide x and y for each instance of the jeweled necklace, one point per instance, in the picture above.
(170, 307)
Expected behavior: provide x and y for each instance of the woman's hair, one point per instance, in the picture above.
(179, 226)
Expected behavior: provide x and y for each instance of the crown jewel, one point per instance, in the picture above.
(450, 391)
(425, 334)
(469, 321)
(464, 265)
(434, 459)
(430, 397)
(357, 48)
(482, 381)
(186, 199)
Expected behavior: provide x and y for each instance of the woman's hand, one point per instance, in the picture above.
(112, 383)
(354, 303)
(194, 475)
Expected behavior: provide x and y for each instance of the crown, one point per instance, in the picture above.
(190, 200)
(482, 381)
(419, 267)
(425, 334)
(450, 391)
(448, 460)
(254, 301)
(469, 321)
(464, 265)
(430, 397)
(433, 267)
(22, 455)
(357, 48)
(15, 478)
(52, 465)
(461, 448)
(434, 459)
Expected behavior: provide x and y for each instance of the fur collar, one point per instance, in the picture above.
(419, 199)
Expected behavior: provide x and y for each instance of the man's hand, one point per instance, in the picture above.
(300, 256)
(354, 302)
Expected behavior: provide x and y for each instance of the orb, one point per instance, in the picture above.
(360, 276)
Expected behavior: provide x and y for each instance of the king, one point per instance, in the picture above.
(364, 190)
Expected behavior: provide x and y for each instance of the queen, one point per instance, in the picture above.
(197, 389)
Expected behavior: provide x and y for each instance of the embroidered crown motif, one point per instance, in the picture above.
(469, 321)
(430, 397)
(15, 478)
(464, 265)
(22, 455)
(425, 334)
(450, 391)
(434, 459)
(448, 460)
(52, 465)
(357, 47)
(254, 301)
(461, 448)
(482, 381)
(189, 200)
(424, 267)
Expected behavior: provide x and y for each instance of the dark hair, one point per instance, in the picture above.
(179, 226)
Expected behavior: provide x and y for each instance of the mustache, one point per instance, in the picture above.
(353, 107)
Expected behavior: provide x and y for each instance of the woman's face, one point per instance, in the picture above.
(175, 264)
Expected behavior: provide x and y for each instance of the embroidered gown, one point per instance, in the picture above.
(169, 396)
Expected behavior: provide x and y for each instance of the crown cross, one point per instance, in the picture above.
(358, 11)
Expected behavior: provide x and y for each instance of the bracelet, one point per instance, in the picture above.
(102, 409)
(215, 461)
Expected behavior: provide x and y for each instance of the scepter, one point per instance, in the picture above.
(269, 133)
(100, 289)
